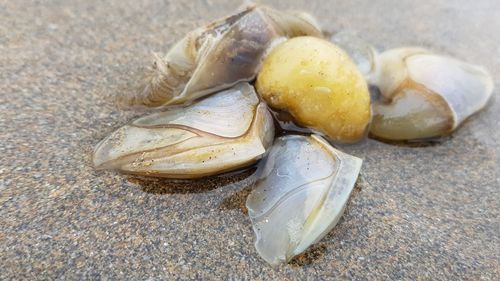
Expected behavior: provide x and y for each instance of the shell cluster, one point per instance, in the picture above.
(222, 123)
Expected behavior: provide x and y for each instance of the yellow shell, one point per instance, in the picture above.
(319, 85)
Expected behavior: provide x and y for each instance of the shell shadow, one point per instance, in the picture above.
(315, 252)
(171, 186)
(237, 200)
(414, 143)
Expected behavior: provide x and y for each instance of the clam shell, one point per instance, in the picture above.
(303, 188)
(219, 55)
(363, 54)
(223, 132)
(426, 95)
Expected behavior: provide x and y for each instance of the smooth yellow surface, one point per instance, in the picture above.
(319, 85)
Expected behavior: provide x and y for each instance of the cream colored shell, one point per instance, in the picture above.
(425, 95)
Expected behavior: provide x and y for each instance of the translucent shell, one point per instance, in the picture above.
(303, 188)
(363, 54)
(425, 95)
(219, 55)
(203, 139)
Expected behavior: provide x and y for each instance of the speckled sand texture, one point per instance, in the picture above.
(429, 213)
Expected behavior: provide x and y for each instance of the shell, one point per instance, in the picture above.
(303, 188)
(363, 54)
(219, 55)
(318, 84)
(425, 95)
(203, 139)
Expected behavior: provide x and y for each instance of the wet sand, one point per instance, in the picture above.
(418, 212)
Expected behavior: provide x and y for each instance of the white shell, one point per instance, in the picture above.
(303, 188)
(426, 95)
(219, 55)
(223, 132)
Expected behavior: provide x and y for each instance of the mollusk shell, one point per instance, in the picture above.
(219, 55)
(425, 95)
(363, 54)
(223, 132)
(303, 188)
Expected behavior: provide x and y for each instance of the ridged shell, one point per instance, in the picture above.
(223, 132)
